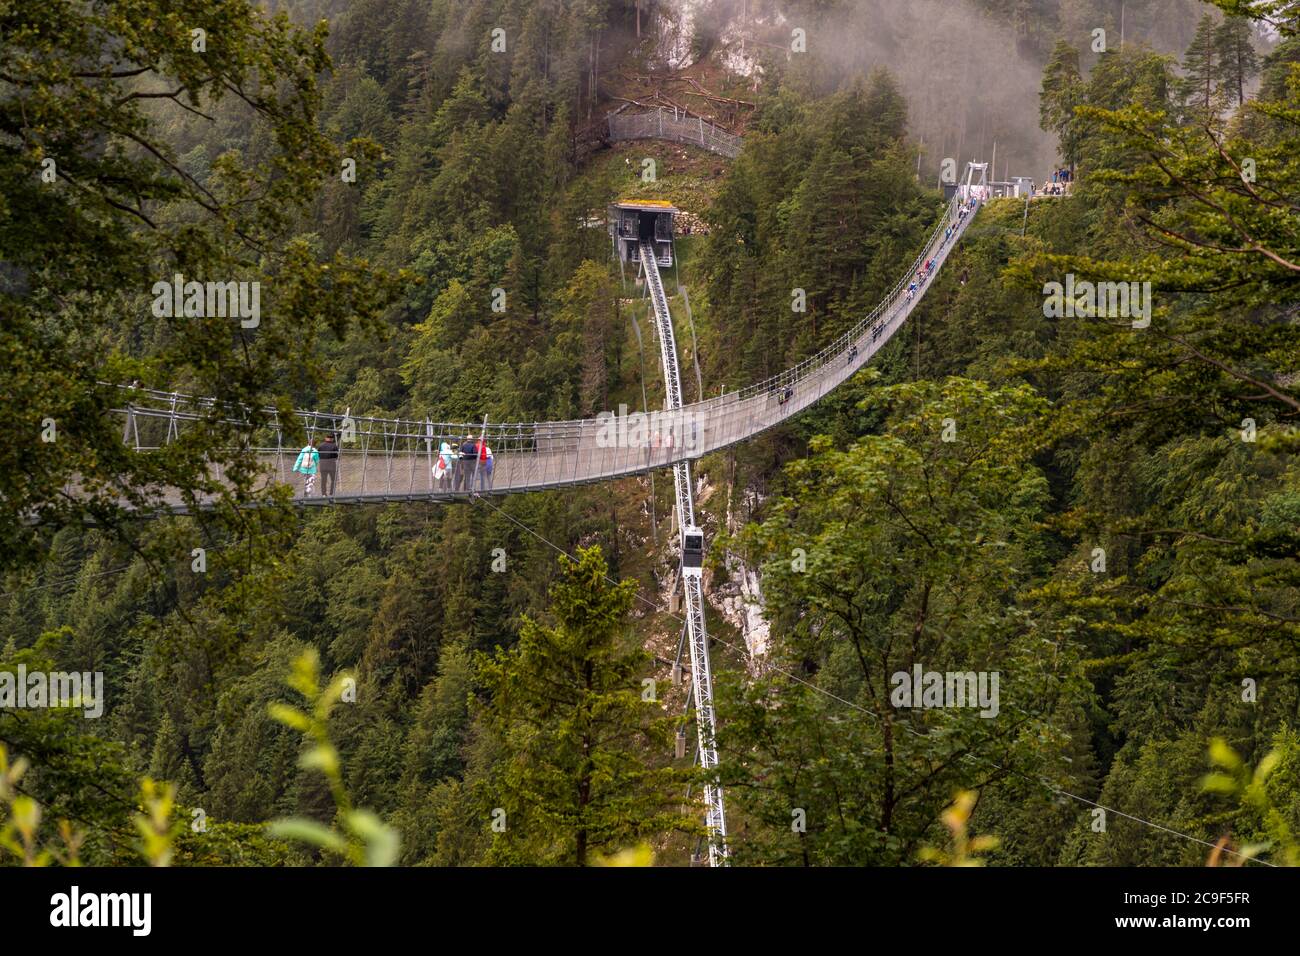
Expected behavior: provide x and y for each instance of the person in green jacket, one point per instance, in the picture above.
(443, 467)
(307, 464)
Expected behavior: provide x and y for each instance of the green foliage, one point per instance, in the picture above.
(363, 839)
(966, 849)
(903, 550)
(22, 821)
(155, 826)
(118, 211)
(1265, 798)
(1238, 62)
(1202, 67)
(1062, 91)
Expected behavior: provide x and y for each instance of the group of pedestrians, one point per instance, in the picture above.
(919, 279)
(1061, 179)
(457, 467)
(323, 461)
(965, 207)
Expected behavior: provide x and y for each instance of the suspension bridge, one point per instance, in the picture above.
(384, 460)
(392, 459)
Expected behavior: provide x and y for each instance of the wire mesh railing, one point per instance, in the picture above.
(674, 125)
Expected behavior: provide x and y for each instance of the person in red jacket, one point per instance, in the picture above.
(485, 465)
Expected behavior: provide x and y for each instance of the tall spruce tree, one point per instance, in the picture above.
(1237, 59)
(1062, 91)
(584, 752)
(1202, 70)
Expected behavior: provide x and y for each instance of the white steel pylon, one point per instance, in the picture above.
(976, 184)
(697, 636)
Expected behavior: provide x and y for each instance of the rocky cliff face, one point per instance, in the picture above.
(675, 31)
(685, 29)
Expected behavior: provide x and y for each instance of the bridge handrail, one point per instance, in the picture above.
(551, 436)
(841, 345)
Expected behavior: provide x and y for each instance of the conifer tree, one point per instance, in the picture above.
(1061, 93)
(1238, 61)
(1201, 68)
(583, 772)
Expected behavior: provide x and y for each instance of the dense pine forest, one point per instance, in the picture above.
(1100, 513)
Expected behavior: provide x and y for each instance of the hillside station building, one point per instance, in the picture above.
(633, 220)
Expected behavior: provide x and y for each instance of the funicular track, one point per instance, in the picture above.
(697, 636)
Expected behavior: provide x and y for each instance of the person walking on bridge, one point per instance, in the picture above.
(329, 459)
(444, 468)
(485, 465)
(307, 464)
(468, 456)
